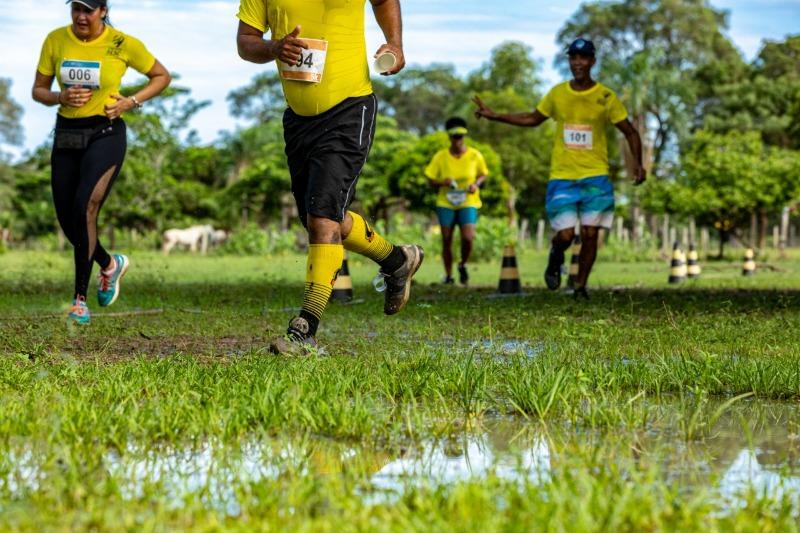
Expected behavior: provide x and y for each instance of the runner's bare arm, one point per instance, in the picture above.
(635, 144)
(478, 183)
(159, 79)
(70, 97)
(389, 18)
(254, 48)
(446, 182)
(529, 120)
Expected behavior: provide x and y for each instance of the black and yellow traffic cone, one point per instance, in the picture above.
(574, 262)
(693, 269)
(677, 268)
(749, 266)
(343, 286)
(509, 274)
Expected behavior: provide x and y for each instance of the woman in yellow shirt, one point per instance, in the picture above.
(458, 172)
(88, 59)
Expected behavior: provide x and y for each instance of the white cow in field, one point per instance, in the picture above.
(195, 237)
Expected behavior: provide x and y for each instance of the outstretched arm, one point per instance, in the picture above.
(529, 120)
(254, 48)
(635, 144)
(387, 14)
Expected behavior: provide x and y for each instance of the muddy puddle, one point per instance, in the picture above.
(752, 446)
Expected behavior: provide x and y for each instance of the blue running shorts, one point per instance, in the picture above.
(450, 218)
(590, 200)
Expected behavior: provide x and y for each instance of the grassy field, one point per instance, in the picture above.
(645, 408)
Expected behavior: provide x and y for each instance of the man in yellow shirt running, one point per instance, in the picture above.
(321, 54)
(579, 189)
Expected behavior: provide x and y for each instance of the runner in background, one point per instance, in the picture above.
(458, 172)
(579, 189)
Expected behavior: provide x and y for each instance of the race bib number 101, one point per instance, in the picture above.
(578, 137)
(83, 73)
(311, 65)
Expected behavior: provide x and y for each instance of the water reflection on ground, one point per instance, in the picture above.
(497, 349)
(754, 445)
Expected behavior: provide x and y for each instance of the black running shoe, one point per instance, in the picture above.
(552, 275)
(448, 280)
(296, 341)
(398, 283)
(580, 294)
(463, 275)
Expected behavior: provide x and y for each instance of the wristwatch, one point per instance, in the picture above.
(136, 103)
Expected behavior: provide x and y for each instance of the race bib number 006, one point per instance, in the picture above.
(311, 65)
(578, 137)
(83, 73)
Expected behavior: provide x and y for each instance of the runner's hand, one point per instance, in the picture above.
(447, 182)
(483, 110)
(122, 104)
(397, 52)
(290, 48)
(472, 188)
(639, 175)
(75, 96)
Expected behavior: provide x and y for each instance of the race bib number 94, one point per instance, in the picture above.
(311, 65)
(578, 137)
(83, 73)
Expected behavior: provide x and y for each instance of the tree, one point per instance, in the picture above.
(374, 193)
(10, 133)
(509, 82)
(147, 195)
(420, 99)
(260, 175)
(260, 101)
(511, 67)
(764, 98)
(10, 115)
(726, 179)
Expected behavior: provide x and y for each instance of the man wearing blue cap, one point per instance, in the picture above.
(579, 189)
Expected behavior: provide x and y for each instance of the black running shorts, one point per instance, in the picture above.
(326, 154)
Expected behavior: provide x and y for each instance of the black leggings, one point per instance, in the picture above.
(81, 180)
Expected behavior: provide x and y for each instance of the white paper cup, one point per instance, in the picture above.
(385, 62)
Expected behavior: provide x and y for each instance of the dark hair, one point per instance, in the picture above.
(106, 19)
(455, 122)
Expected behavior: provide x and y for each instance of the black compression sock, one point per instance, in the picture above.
(313, 322)
(393, 261)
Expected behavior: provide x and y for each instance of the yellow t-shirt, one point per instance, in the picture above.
(99, 64)
(341, 24)
(465, 170)
(580, 148)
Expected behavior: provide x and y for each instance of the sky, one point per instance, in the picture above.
(196, 38)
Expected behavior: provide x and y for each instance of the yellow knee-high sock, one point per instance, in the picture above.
(365, 241)
(324, 263)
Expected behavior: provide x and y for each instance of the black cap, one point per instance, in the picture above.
(91, 4)
(583, 47)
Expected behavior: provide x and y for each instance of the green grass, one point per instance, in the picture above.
(614, 385)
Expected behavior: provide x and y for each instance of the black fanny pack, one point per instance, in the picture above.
(78, 138)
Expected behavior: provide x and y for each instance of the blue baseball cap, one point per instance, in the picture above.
(583, 47)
